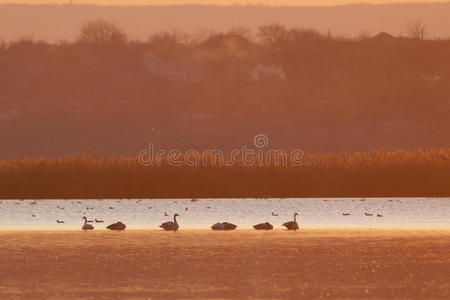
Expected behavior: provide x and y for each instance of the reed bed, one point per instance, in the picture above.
(347, 174)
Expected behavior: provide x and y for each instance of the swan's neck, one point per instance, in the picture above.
(295, 218)
(175, 219)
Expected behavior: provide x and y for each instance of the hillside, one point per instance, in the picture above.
(310, 92)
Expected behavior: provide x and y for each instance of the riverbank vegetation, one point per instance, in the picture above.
(347, 174)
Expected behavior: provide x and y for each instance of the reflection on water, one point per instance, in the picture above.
(202, 213)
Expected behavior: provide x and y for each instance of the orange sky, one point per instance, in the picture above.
(219, 2)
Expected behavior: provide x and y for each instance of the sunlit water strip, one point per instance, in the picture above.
(202, 213)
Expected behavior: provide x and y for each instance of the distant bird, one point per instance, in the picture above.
(59, 221)
(111, 207)
(187, 209)
(346, 214)
(171, 226)
(86, 226)
(378, 215)
(263, 226)
(33, 215)
(293, 225)
(274, 214)
(368, 215)
(98, 221)
(117, 226)
(165, 214)
(194, 200)
(149, 207)
(223, 226)
(33, 203)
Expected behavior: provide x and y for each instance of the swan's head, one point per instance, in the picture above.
(176, 215)
(84, 218)
(296, 214)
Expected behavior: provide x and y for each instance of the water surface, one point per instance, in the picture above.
(202, 213)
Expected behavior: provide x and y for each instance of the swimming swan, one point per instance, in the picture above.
(117, 226)
(171, 226)
(223, 226)
(86, 226)
(263, 226)
(293, 225)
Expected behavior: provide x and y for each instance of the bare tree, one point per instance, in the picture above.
(102, 32)
(241, 31)
(272, 34)
(416, 30)
(169, 39)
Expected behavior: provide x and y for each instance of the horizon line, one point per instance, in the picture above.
(174, 4)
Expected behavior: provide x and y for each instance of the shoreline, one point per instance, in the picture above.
(203, 229)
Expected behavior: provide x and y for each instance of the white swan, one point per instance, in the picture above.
(293, 225)
(263, 226)
(86, 226)
(117, 226)
(223, 226)
(171, 226)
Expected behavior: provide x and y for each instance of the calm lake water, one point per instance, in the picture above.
(202, 213)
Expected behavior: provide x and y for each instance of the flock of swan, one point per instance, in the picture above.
(174, 226)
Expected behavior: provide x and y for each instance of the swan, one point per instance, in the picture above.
(263, 226)
(117, 226)
(86, 226)
(293, 225)
(98, 221)
(165, 214)
(172, 226)
(368, 215)
(218, 226)
(59, 221)
(223, 226)
(274, 214)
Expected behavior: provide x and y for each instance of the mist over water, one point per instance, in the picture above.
(202, 213)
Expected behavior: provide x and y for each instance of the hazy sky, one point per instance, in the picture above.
(220, 2)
